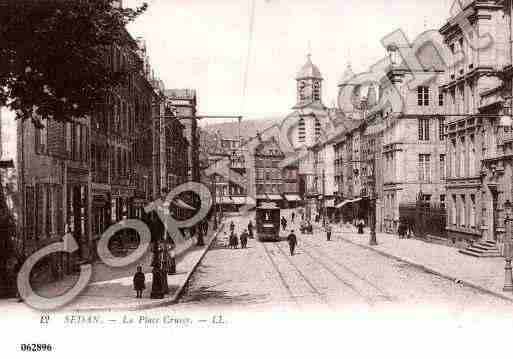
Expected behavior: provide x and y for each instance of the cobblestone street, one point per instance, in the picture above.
(325, 275)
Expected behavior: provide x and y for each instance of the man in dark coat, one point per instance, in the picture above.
(292, 242)
(139, 282)
(235, 240)
(244, 239)
(293, 216)
(250, 229)
(360, 225)
(283, 223)
(232, 226)
(328, 231)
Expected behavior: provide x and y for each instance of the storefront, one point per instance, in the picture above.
(292, 200)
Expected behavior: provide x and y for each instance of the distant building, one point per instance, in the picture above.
(274, 183)
(184, 104)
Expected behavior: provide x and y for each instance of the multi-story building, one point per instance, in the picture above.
(477, 91)
(394, 137)
(83, 175)
(274, 183)
(176, 149)
(308, 124)
(184, 102)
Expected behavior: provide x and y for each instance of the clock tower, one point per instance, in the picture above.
(309, 84)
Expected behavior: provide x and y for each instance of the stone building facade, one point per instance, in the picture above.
(83, 175)
(477, 92)
(402, 139)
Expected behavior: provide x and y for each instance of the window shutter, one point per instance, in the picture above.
(56, 142)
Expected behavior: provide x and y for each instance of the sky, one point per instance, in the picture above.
(203, 44)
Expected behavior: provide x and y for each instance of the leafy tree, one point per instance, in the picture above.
(53, 55)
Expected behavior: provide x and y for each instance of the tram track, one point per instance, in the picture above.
(320, 258)
(313, 288)
(280, 275)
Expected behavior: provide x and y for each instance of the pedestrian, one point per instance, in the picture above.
(244, 239)
(402, 227)
(139, 282)
(360, 226)
(232, 226)
(170, 257)
(283, 223)
(157, 287)
(309, 227)
(250, 229)
(205, 227)
(293, 216)
(226, 240)
(292, 242)
(328, 231)
(235, 240)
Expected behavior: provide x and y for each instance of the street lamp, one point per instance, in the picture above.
(508, 278)
(373, 241)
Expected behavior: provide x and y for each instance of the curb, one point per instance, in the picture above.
(432, 271)
(180, 290)
(165, 302)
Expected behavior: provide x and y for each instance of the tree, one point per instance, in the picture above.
(53, 55)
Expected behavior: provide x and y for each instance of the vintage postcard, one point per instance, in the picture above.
(256, 178)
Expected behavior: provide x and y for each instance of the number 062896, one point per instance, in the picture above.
(36, 347)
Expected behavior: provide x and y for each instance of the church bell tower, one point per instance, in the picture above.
(309, 84)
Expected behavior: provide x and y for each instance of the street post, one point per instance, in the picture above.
(508, 278)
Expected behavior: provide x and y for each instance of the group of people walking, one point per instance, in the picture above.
(232, 240)
(163, 258)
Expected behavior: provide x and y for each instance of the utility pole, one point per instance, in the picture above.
(373, 241)
(323, 198)
(214, 202)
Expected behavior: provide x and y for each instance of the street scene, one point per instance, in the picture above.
(336, 274)
(143, 172)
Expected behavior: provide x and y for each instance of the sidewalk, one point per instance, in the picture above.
(112, 288)
(485, 274)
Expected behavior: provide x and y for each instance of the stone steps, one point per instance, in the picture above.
(482, 250)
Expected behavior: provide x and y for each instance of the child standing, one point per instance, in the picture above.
(139, 282)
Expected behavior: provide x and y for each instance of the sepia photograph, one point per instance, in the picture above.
(250, 178)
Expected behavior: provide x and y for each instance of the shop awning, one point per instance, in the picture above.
(342, 204)
(275, 197)
(225, 200)
(239, 200)
(292, 197)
